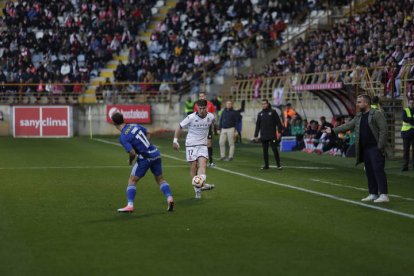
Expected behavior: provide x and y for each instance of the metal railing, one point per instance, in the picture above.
(73, 93)
(266, 87)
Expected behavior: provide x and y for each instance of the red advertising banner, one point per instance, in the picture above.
(318, 86)
(55, 121)
(132, 113)
(26, 121)
(41, 121)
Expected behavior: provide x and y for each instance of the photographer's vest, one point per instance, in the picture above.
(189, 106)
(407, 126)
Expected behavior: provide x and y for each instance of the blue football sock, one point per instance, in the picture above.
(131, 192)
(165, 189)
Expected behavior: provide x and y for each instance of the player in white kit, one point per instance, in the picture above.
(198, 124)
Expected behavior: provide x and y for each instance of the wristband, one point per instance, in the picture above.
(175, 141)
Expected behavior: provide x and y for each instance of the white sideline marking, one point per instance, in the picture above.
(68, 167)
(357, 188)
(402, 214)
(82, 167)
(305, 168)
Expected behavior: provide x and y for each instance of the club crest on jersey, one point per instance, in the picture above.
(270, 113)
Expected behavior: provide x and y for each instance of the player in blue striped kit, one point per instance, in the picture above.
(134, 140)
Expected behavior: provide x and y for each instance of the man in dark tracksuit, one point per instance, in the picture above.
(407, 134)
(370, 146)
(266, 123)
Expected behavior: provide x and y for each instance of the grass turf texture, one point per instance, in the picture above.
(58, 201)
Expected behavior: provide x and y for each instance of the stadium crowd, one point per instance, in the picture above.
(203, 36)
(65, 41)
(311, 139)
(383, 36)
(47, 42)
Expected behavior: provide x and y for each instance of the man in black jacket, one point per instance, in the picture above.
(266, 123)
(227, 125)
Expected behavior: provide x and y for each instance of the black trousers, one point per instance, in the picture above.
(273, 145)
(407, 143)
(374, 162)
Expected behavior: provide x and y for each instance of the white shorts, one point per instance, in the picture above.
(193, 153)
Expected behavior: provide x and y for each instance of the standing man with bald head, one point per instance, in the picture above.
(370, 145)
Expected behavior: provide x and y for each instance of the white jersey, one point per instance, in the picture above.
(197, 129)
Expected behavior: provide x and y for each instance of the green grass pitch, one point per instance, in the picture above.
(58, 201)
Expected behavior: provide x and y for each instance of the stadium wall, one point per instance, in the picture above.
(164, 116)
(5, 126)
(313, 109)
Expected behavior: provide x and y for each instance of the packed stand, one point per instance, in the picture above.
(310, 138)
(382, 36)
(204, 36)
(45, 45)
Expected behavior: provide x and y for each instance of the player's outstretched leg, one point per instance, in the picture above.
(165, 189)
(206, 186)
(130, 192)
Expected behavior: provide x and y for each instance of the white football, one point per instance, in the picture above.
(198, 181)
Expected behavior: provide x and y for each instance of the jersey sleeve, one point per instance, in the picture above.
(213, 119)
(125, 143)
(184, 123)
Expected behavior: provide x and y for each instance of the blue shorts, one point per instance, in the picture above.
(142, 165)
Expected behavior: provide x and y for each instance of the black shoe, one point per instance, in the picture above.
(228, 159)
(404, 169)
(264, 168)
(170, 207)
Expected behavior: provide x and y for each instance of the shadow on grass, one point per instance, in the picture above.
(126, 217)
(188, 202)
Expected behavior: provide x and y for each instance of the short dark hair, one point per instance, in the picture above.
(117, 118)
(366, 98)
(375, 100)
(202, 103)
(267, 101)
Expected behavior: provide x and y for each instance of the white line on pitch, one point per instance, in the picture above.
(305, 168)
(62, 167)
(82, 167)
(356, 188)
(358, 203)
